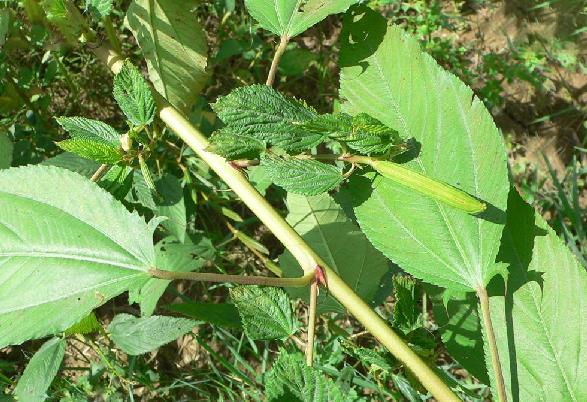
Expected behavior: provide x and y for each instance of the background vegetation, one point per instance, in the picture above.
(527, 60)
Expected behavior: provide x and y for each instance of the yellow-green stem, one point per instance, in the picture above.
(488, 326)
(312, 323)
(300, 282)
(301, 251)
(278, 53)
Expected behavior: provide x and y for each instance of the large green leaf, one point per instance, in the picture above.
(386, 75)
(136, 336)
(174, 45)
(541, 321)
(40, 372)
(66, 247)
(290, 379)
(265, 312)
(323, 224)
(292, 17)
(6, 148)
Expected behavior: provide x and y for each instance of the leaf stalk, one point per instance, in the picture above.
(276, 58)
(300, 282)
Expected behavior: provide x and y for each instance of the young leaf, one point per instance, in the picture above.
(460, 146)
(260, 111)
(91, 139)
(322, 223)
(118, 181)
(99, 8)
(136, 336)
(301, 176)
(40, 372)
(223, 314)
(66, 247)
(291, 379)
(292, 17)
(540, 322)
(370, 358)
(174, 45)
(370, 136)
(65, 15)
(133, 95)
(265, 312)
(171, 256)
(232, 144)
(6, 148)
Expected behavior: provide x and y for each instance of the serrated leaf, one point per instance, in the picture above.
(265, 312)
(80, 127)
(290, 379)
(370, 358)
(540, 322)
(370, 136)
(75, 163)
(174, 46)
(6, 148)
(339, 242)
(118, 181)
(86, 325)
(223, 314)
(176, 257)
(40, 372)
(460, 145)
(301, 176)
(67, 246)
(133, 95)
(262, 112)
(235, 145)
(98, 151)
(91, 139)
(291, 17)
(99, 8)
(65, 15)
(136, 336)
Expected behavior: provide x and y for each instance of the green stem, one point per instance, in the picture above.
(300, 282)
(312, 323)
(495, 362)
(111, 34)
(300, 250)
(278, 53)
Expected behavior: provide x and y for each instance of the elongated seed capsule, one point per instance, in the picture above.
(429, 187)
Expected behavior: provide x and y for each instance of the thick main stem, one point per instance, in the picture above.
(278, 53)
(495, 362)
(301, 251)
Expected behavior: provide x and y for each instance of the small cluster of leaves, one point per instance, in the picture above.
(261, 123)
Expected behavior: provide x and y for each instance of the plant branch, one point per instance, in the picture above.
(312, 323)
(300, 250)
(278, 53)
(300, 282)
(495, 362)
(99, 173)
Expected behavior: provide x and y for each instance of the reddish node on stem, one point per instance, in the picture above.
(320, 276)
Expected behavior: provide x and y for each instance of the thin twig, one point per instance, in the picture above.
(278, 53)
(242, 280)
(99, 173)
(312, 323)
(485, 312)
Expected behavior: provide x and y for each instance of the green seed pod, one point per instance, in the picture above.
(429, 187)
